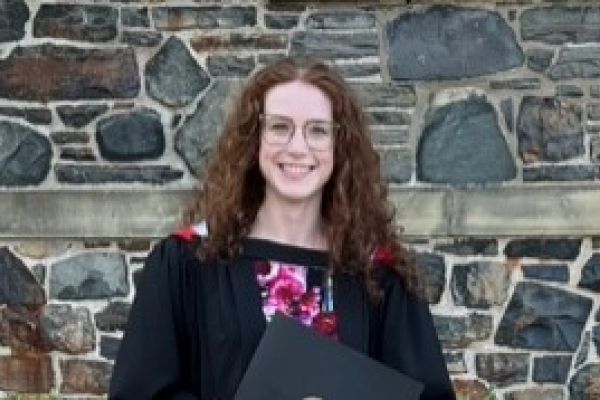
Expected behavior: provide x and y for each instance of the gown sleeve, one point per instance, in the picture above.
(410, 343)
(149, 362)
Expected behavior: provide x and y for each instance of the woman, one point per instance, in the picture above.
(291, 217)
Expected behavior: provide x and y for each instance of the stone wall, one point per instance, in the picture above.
(486, 115)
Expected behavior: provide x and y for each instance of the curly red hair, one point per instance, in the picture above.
(358, 217)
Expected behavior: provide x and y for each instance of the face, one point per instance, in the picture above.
(294, 172)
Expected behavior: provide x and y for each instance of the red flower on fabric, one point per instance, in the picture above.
(326, 324)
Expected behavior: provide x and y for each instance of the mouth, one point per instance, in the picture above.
(295, 170)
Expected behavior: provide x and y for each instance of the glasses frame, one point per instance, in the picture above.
(334, 127)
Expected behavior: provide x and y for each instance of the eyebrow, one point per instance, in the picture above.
(290, 118)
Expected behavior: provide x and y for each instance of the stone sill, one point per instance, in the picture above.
(559, 210)
(322, 3)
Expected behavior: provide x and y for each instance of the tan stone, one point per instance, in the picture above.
(467, 389)
(81, 376)
(31, 374)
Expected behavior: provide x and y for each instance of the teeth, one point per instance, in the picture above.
(295, 169)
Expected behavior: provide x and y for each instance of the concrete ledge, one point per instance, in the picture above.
(508, 211)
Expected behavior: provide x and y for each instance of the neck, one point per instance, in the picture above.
(298, 224)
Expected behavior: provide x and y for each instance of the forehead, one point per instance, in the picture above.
(298, 100)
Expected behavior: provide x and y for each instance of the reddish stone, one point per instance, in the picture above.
(19, 329)
(236, 41)
(81, 376)
(468, 389)
(32, 374)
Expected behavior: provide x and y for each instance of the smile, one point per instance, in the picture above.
(296, 169)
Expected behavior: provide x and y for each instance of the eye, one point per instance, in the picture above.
(318, 130)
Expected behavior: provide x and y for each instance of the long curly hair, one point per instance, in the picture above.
(357, 215)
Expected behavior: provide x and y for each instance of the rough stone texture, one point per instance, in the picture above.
(569, 91)
(547, 272)
(239, 41)
(69, 137)
(389, 117)
(462, 143)
(113, 317)
(507, 109)
(334, 45)
(89, 276)
(141, 39)
(39, 273)
(41, 116)
(51, 72)
(135, 17)
(559, 25)
(595, 91)
(551, 368)
(75, 22)
(468, 246)
(14, 14)
(560, 173)
(39, 249)
(461, 331)
(25, 156)
(133, 136)
(584, 349)
(77, 154)
(480, 284)
(19, 330)
(396, 165)
(280, 21)
(467, 389)
(83, 376)
(590, 274)
(197, 136)
(80, 116)
(576, 62)
(432, 269)
(33, 374)
(230, 65)
(539, 59)
(560, 249)
(535, 394)
(176, 18)
(502, 369)
(596, 338)
(543, 318)
(446, 42)
(455, 362)
(340, 19)
(134, 244)
(584, 385)
(389, 136)
(84, 174)
(173, 77)
(549, 129)
(385, 94)
(593, 111)
(18, 286)
(363, 69)
(516, 84)
(67, 329)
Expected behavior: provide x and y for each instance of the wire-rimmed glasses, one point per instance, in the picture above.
(279, 129)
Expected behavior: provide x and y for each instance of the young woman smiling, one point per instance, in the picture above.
(291, 216)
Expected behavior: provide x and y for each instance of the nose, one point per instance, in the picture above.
(297, 143)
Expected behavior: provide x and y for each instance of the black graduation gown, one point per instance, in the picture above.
(193, 328)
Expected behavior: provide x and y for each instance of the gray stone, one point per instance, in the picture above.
(385, 94)
(389, 117)
(396, 165)
(68, 329)
(502, 369)
(358, 70)
(176, 18)
(595, 91)
(135, 17)
(229, 65)
(141, 39)
(70, 137)
(133, 136)
(560, 173)
(592, 129)
(506, 106)
(595, 149)
(590, 274)
(576, 62)
(81, 115)
(340, 19)
(543, 318)
(109, 347)
(85, 376)
(432, 271)
(455, 362)
(539, 59)
(18, 286)
(535, 394)
(24, 155)
(462, 143)
(551, 368)
(569, 91)
(584, 384)
(549, 129)
(83, 174)
(596, 338)
(469, 247)
(480, 284)
(198, 134)
(50, 72)
(173, 77)
(516, 83)
(240, 41)
(113, 317)
(461, 331)
(334, 45)
(39, 273)
(584, 349)
(560, 249)
(89, 276)
(547, 272)
(447, 42)
(560, 25)
(280, 21)
(13, 16)
(41, 116)
(593, 111)
(389, 136)
(76, 22)
(77, 154)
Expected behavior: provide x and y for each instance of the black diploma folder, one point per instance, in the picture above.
(293, 362)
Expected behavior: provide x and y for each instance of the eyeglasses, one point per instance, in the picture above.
(279, 129)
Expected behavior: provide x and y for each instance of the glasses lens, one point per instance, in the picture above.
(319, 134)
(277, 130)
